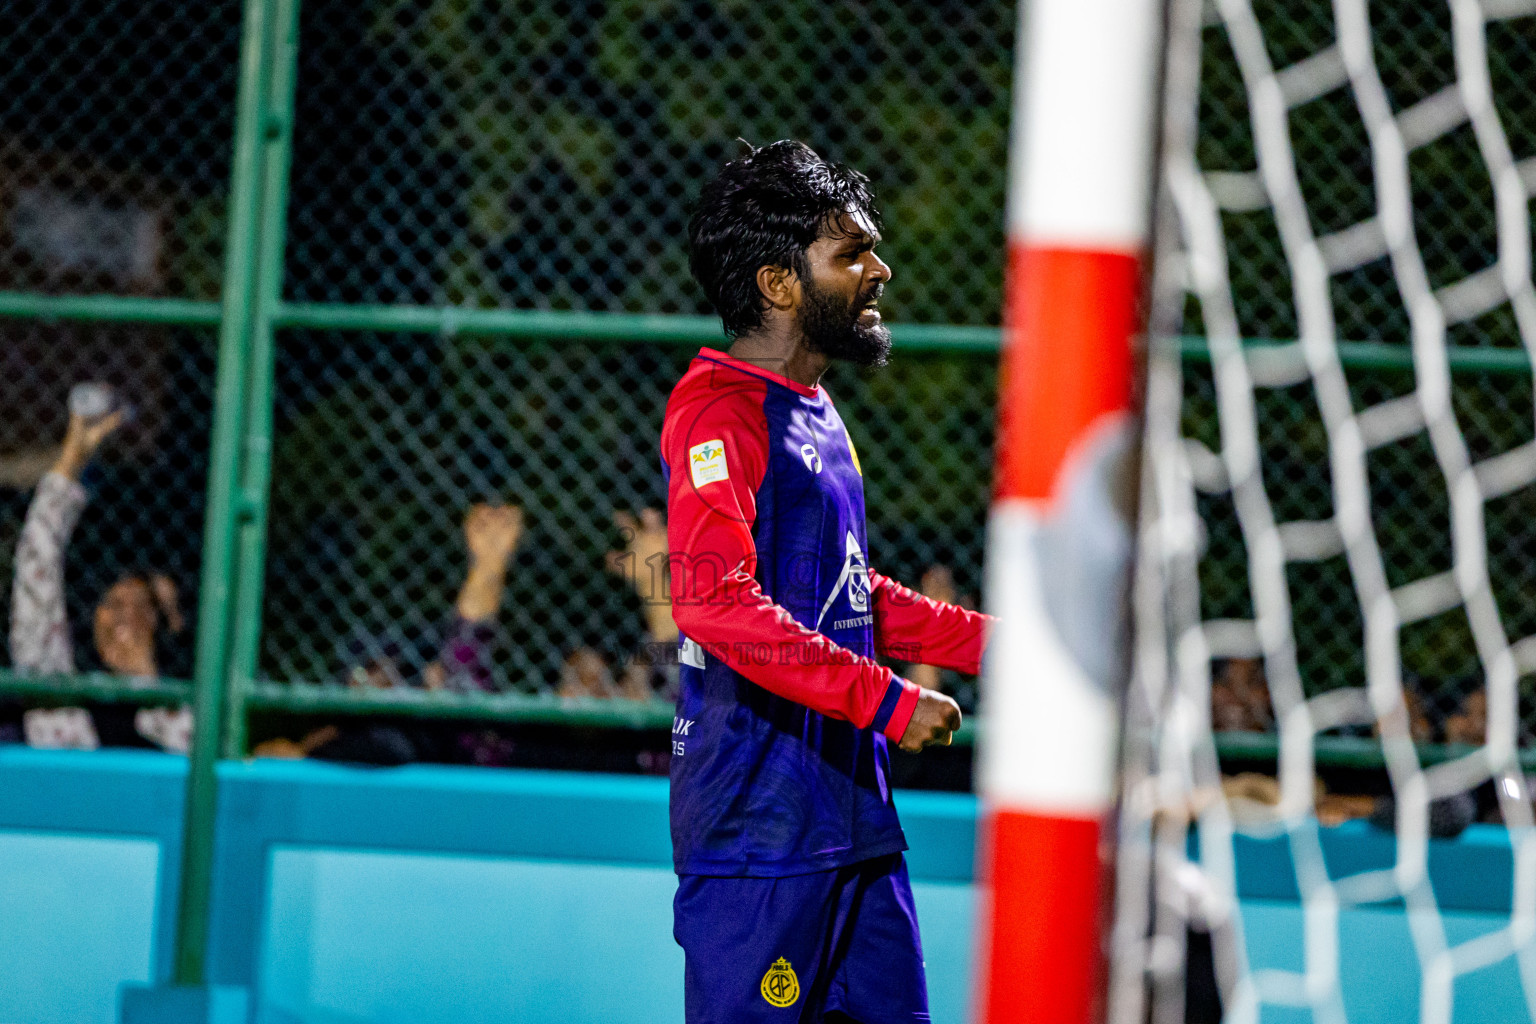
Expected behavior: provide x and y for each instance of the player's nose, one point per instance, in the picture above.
(881, 271)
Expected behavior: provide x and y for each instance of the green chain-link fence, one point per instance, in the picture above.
(543, 155)
(485, 212)
(1411, 514)
(505, 162)
(487, 158)
(383, 441)
(108, 189)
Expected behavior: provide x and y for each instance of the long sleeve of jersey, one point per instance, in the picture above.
(911, 627)
(717, 456)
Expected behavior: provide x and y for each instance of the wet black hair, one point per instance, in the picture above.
(765, 209)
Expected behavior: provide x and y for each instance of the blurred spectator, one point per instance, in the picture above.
(1253, 796)
(463, 663)
(463, 660)
(126, 622)
(653, 668)
(585, 674)
(491, 533)
(1337, 808)
(1420, 728)
(1470, 723)
(1240, 697)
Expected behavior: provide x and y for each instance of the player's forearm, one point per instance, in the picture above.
(915, 628)
(737, 624)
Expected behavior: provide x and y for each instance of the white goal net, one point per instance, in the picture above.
(1337, 505)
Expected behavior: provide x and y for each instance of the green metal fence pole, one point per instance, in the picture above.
(214, 597)
(116, 309)
(256, 466)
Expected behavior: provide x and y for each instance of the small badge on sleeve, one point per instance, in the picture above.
(707, 463)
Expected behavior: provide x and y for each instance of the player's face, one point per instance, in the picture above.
(839, 306)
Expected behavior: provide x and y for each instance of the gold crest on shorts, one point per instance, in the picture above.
(780, 986)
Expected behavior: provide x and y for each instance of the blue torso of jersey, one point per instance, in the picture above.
(761, 785)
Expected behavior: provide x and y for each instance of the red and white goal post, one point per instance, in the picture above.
(1060, 537)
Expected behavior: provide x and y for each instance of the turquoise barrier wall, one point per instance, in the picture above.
(432, 894)
(89, 850)
(362, 936)
(1377, 972)
(77, 918)
(1472, 879)
(424, 894)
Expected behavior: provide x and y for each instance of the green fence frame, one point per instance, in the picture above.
(251, 310)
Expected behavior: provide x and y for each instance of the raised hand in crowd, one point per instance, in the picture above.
(81, 439)
(643, 562)
(492, 534)
(125, 620)
(40, 638)
(168, 600)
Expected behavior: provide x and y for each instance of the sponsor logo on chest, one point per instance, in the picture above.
(854, 577)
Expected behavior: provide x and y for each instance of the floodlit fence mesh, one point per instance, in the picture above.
(383, 442)
(115, 122)
(545, 154)
(1338, 491)
(115, 127)
(362, 225)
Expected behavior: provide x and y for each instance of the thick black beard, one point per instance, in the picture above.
(834, 330)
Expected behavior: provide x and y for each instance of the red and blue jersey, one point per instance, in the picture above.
(780, 764)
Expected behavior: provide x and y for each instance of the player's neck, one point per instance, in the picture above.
(783, 352)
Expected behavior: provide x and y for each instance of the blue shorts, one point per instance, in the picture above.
(794, 949)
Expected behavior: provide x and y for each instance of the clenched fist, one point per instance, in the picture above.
(934, 722)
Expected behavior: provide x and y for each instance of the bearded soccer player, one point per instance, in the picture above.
(793, 902)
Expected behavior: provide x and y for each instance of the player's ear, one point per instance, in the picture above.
(780, 286)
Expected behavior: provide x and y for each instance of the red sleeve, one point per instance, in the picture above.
(717, 602)
(911, 627)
